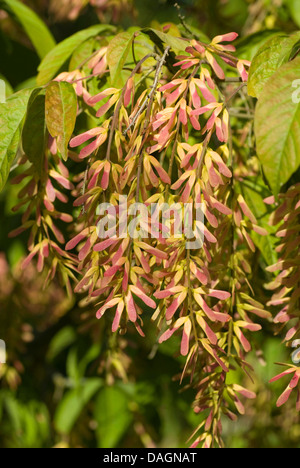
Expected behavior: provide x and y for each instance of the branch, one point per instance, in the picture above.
(160, 64)
(149, 96)
(118, 107)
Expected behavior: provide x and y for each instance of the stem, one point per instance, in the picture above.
(83, 191)
(236, 91)
(177, 130)
(203, 153)
(150, 96)
(232, 265)
(145, 132)
(190, 298)
(118, 107)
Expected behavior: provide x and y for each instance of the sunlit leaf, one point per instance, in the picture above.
(61, 110)
(55, 60)
(112, 415)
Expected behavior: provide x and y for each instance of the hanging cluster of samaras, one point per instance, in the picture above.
(165, 137)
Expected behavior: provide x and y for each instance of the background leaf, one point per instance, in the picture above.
(112, 415)
(73, 403)
(247, 47)
(61, 110)
(11, 115)
(35, 28)
(277, 126)
(117, 53)
(161, 40)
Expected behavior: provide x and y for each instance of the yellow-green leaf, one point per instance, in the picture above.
(277, 126)
(274, 53)
(61, 111)
(34, 130)
(55, 60)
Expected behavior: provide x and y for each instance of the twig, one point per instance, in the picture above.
(295, 55)
(177, 130)
(160, 64)
(234, 93)
(153, 89)
(133, 52)
(182, 21)
(241, 115)
(83, 190)
(232, 79)
(232, 265)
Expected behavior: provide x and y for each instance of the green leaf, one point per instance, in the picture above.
(294, 7)
(201, 36)
(62, 340)
(269, 58)
(34, 130)
(112, 415)
(277, 126)
(247, 47)
(161, 40)
(11, 116)
(61, 111)
(57, 58)
(82, 53)
(35, 28)
(73, 403)
(158, 37)
(117, 53)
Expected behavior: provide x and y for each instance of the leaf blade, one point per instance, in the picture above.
(274, 53)
(277, 126)
(57, 57)
(34, 130)
(61, 111)
(117, 53)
